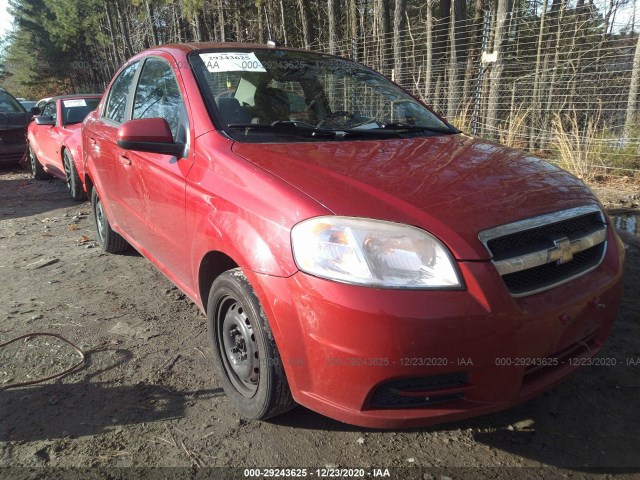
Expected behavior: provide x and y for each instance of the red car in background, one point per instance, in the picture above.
(353, 252)
(55, 143)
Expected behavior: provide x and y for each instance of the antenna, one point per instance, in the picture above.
(266, 17)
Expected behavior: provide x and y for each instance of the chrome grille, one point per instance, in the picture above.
(540, 253)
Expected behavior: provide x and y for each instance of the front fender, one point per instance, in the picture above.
(229, 233)
(242, 211)
(31, 138)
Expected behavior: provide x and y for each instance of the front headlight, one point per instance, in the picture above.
(372, 252)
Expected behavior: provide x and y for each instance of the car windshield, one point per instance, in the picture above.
(256, 95)
(8, 104)
(74, 110)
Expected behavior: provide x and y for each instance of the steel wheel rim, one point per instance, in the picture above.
(100, 220)
(238, 347)
(67, 169)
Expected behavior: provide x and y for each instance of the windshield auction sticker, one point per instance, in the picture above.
(232, 62)
(75, 103)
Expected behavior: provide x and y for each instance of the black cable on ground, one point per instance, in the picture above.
(50, 377)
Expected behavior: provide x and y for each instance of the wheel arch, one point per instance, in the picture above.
(87, 184)
(212, 265)
(73, 145)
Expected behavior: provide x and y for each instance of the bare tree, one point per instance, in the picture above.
(550, 90)
(283, 24)
(473, 45)
(536, 79)
(221, 21)
(305, 22)
(630, 123)
(152, 23)
(398, 26)
(332, 11)
(429, 69)
(383, 31)
(124, 29)
(452, 71)
(117, 58)
(353, 26)
(496, 70)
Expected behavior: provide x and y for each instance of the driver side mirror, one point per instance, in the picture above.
(35, 110)
(45, 120)
(149, 135)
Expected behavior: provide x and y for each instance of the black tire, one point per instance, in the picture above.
(74, 184)
(37, 171)
(110, 241)
(252, 376)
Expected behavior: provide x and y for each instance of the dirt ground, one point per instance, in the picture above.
(148, 395)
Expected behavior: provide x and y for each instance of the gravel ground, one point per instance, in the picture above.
(148, 395)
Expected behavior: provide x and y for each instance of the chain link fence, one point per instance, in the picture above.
(562, 84)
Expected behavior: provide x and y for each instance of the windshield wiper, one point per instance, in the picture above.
(295, 127)
(405, 127)
(285, 126)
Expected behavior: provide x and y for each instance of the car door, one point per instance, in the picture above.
(45, 135)
(153, 184)
(101, 146)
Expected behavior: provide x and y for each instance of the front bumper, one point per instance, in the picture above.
(466, 353)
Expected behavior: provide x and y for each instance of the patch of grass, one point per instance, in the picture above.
(592, 151)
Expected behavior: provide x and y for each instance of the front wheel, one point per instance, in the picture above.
(249, 365)
(109, 241)
(74, 184)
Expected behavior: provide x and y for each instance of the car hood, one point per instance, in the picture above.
(11, 121)
(453, 186)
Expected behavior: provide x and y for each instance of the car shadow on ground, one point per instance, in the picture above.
(79, 408)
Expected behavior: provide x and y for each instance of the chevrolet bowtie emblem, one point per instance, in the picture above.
(562, 252)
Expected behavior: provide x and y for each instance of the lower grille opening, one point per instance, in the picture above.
(420, 392)
(561, 358)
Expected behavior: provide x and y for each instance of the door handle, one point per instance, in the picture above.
(124, 160)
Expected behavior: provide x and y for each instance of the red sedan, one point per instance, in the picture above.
(353, 252)
(54, 140)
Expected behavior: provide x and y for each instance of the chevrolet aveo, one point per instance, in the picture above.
(353, 252)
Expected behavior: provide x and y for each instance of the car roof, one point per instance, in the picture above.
(196, 46)
(76, 95)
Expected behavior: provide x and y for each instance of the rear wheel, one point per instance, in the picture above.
(74, 184)
(109, 240)
(249, 365)
(37, 171)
